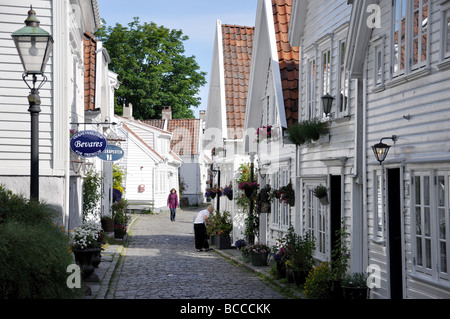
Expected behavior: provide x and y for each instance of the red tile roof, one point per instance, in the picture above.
(185, 140)
(90, 45)
(288, 58)
(237, 55)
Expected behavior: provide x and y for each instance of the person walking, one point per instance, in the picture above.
(172, 202)
(200, 221)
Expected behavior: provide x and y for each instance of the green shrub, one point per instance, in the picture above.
(34, 252)
(317, 285)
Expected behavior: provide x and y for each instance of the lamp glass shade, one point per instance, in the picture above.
(380, 150)
(327, 101)
(33, 45)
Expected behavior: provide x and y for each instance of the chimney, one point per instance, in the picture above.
(166, 113)
(202, 115)
(128, 111)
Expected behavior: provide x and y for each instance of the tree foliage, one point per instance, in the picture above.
(152, 68)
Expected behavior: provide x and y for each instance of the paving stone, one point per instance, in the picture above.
(161, 262)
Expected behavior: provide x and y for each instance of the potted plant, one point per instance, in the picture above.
(306, 131)
(263, 200)
(281, 257)
(85, 246)
(300, 255)
(241, 245)
(321, 193)
(228, 191)
(220, 226)
(286, 194)
(248, 188)
(107, 224)
(317, 283)
(120, 218)
(258, 254)
(354, 286)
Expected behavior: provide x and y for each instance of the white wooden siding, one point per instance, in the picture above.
(15, 119)
(423, 138)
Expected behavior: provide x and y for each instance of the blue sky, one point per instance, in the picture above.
(196, 18)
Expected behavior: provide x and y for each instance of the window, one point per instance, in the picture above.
(379, 64)
(378, 207)
(326, 72)
(281, 211)
(343, 80)
(316, 221)
(311, 94)
(410, 35)
(431, 216)
(399, 36)
(420, 34)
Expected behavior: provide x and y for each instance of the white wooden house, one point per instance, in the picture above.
(151, 167)
(320, 29)
(272, 100)
(71, 23)
(224, 125)
(187, 143)
(401, 55)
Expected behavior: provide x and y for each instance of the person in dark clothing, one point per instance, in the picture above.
(201, 236)
(172, 202)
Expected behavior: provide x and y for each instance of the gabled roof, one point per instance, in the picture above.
(288, 58)
(136, 136)
(185, 134)
(237, 55)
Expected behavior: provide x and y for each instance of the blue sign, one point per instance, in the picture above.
(112, 153)
(88, 143)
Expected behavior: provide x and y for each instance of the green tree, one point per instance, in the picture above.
(152, 69)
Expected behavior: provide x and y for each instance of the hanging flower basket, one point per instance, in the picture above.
(228, 192)
(321, 193)
(248, 188)
(263, 200)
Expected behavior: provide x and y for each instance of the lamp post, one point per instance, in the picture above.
(381, 150)
(327, 101)
(34, 45)
(251, 204)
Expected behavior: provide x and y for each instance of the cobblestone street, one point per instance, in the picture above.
(161, 262)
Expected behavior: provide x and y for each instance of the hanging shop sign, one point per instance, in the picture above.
(112, 153)
(88, 143)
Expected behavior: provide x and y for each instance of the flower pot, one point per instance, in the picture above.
(265, 208)
(107, 225)
(245, 257)
(300, 277)
(230, 196)
(336, 291)
(212, 195)
(281, 269)
(84, 257)
(248, 192)
(290, 276)
(324, 200)
(96, 258)
(357, 293)
(222, 241)
(258, 259)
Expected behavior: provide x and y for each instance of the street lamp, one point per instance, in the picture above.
(34, 45)
(381, 150)
(327, 101)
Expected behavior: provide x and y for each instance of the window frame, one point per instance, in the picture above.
(407, 8)
(379, 206)
(316, 220)
(434, 271)
(281, 212)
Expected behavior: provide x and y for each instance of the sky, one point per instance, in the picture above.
(196, 18)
